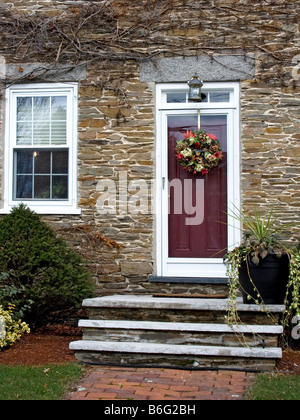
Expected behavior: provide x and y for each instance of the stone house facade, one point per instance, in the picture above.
(91, 93)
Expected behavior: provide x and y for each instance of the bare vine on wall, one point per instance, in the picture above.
(92, 245)
(81, 35)
(117, 31)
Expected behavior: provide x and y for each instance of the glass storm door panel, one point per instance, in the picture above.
(205, 235)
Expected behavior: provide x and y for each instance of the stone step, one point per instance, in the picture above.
(180, 333)
(190, 310)
(181, 326)
(177, 332)
(150, 348)
(150, 354)
(150, 302)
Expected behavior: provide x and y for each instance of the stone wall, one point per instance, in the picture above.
(116, 129)
(116, 138)
(271, 153)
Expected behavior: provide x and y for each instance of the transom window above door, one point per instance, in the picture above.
(175, 96)
(41, 148)
(211, 97)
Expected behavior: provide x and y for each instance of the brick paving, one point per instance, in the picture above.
(121, 383)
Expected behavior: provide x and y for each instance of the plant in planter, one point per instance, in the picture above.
(291, 315)
(260, 266)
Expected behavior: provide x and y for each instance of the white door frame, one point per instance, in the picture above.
(194, 267)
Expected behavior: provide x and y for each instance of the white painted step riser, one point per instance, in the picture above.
(181, 327)
(146, 348)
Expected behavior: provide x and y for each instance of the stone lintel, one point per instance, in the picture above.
(211, 69)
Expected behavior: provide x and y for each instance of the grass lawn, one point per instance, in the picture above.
(275, 387)
(50, 382)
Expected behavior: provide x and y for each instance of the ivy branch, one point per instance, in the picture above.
(112, 31)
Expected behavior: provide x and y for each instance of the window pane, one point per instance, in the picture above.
(42, 120)
(24, 162)
(41, 174)
(176, 97)
(58, 132)
(217, 125)
(24, 187)
(24, 109)
(59, 120)
(41, 133)
(24, 133)
(41, 108)
(42, 162)
(60, 187)
(59, 108)
(42, 187)
(60, 162)
(220, 97)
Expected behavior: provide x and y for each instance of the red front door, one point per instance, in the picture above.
(206, 236)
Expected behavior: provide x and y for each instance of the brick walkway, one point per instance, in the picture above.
(120, 383)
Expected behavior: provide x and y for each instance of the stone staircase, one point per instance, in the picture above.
(177, 332)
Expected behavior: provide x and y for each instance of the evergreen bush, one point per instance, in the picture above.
(43, 277)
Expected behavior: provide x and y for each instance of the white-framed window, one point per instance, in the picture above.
(41, 148)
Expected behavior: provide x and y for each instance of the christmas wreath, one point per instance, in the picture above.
(199, 152)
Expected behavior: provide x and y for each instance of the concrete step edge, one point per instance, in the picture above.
(149, 302)
(169, 349)
(181, 326)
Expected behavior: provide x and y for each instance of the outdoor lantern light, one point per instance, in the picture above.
(195, 85)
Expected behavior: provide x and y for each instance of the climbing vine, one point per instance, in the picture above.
(114, 30)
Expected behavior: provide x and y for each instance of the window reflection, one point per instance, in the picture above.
(42, 120)
(41, 174)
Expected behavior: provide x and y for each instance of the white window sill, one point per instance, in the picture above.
(55, 210)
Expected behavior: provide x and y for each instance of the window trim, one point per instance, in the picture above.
(69, 206)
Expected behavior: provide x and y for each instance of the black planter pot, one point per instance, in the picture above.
(270, 278)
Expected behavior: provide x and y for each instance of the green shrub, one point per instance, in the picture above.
(41, 275)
